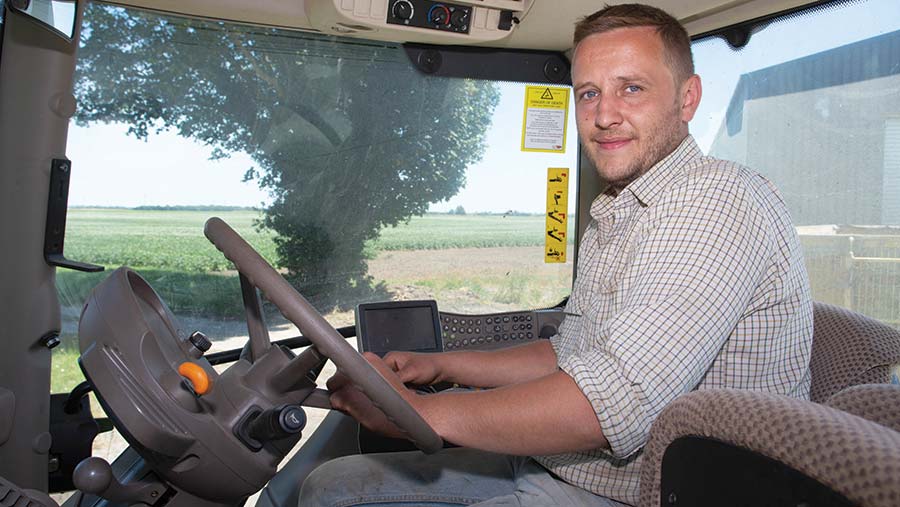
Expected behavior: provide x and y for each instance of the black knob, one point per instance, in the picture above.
(277, 423)
(403, 10)
(460, 18)
(200, 341)
(547, 330)
(50, 340)
(429, 62)
(555, 70)
(439, 15)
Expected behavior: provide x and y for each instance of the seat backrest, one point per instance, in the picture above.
(849, 349)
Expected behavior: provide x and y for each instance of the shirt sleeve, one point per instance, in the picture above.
(690, 281)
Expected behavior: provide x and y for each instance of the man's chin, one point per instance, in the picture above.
(617, 177)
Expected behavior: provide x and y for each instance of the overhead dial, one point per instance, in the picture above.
(460, 18)
(439, 15)
(403, 10)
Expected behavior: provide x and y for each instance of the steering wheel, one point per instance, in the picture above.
(325, 338)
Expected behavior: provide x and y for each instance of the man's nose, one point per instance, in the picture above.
(608, 113)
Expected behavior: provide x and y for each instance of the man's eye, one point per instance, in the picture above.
(633, 88)
(590, 94)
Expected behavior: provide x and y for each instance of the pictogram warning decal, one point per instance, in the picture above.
(555, 241)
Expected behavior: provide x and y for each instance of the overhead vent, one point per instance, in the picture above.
(459, 22)
(517, 6)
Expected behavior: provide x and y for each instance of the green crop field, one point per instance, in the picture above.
(173, 240)
(161, 239)
(169, 249)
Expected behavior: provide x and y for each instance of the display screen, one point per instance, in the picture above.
(402, 325)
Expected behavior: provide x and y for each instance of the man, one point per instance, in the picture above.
(690, 277)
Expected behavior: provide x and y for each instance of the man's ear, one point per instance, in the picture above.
(691, 90)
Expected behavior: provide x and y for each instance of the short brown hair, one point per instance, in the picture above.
(676, 43)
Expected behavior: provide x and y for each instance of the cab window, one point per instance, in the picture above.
(812, 102)
(360, 178)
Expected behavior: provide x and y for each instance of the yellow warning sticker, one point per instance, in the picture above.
(555, 243)
(544, 119)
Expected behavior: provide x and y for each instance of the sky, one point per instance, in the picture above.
(113, 169)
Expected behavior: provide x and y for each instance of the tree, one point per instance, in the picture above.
(459, 210)
(347, 137)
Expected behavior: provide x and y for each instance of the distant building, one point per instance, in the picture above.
(826, 130)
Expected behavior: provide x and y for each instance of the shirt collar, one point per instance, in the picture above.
(647, 188)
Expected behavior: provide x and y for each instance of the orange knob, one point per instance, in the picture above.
(196, 376)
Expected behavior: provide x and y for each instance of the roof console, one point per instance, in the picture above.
(424, 21)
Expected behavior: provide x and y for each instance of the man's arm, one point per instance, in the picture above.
(476, 368)
(545, 415)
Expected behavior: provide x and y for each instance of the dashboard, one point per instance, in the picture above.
(497, 330)
(419, 326)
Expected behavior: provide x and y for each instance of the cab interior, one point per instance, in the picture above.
(207, 205)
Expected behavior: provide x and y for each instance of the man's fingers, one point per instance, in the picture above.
(348, 399)
(337, 381)
(400, 364)
(340, 382)
(379, 364)
(385, 370)
(357, 405)
(352, 401)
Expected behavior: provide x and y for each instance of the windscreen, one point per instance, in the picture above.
(358, 177)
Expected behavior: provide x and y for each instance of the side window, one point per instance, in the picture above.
(813, 103)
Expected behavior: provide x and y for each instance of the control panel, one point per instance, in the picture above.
(419, 21)
(497, 330)
(428, 14)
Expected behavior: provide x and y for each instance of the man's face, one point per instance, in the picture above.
(630, 112)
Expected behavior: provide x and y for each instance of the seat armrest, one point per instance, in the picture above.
(878, 403)
(852, 456)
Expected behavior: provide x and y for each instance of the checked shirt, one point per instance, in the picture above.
(690, 278)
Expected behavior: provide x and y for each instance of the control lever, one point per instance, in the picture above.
(95, 476)
(277, 423)
(256, 322)
(260, 426)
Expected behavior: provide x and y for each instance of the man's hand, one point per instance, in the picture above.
(475, 368)
(415, 367)
(353, 402)
(537, 416)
